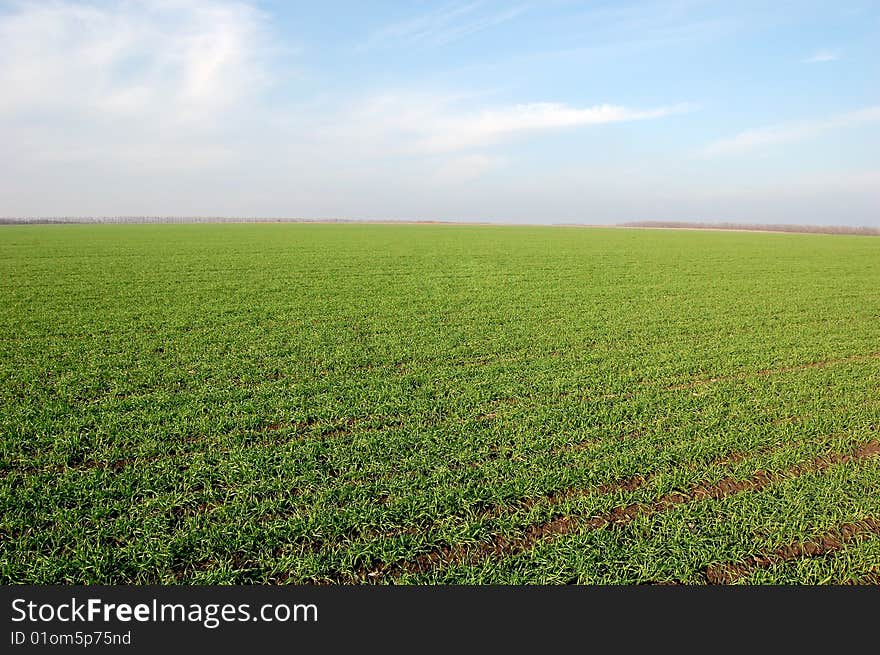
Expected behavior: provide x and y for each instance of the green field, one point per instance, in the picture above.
(304, 403)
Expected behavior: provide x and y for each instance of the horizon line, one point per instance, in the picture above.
(669, 225)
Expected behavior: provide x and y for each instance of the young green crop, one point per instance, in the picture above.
(415, 403)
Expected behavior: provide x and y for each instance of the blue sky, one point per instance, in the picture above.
(521, 112)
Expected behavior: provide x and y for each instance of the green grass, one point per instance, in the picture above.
(379, 403)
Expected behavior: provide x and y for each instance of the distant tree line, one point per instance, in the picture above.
(59, 220)
(777, 227)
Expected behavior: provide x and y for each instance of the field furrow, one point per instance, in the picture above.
(620, 516)
(828, 542)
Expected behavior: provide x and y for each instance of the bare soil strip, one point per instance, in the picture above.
(494, 511)
(829, 542)
(507, 546)
(551, 498)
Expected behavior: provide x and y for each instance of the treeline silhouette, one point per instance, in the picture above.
(775, 227)
(61, 220)
(759, 227)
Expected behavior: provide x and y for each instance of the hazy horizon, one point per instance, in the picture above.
(561, 111)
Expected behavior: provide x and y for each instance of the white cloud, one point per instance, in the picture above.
(128, 87)
(822, 56)
(167, 61)
(424, 125)
(758, 138)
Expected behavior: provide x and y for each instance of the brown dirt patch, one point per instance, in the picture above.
(829, 542)
(872, 577)
(506, 546)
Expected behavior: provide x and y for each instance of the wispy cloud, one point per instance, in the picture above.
(419, 124)
(821, 57)
(467, 130)
(445, 25)
(783, 133)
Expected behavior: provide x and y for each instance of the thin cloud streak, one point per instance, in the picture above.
(492, 125)
(756, 139)
(430, 125)
(821, 57)
(440, 27)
